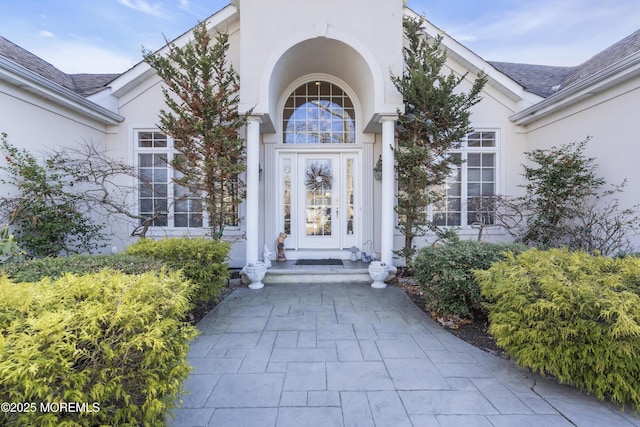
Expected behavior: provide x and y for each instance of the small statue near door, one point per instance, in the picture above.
(280, 246)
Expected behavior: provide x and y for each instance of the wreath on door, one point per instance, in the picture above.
(318, 177)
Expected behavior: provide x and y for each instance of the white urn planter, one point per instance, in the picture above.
(255, 273)
(378, 271)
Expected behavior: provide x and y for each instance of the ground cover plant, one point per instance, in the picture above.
(113, 342)
(54, 267)
(571, 315)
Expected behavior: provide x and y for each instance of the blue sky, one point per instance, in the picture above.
(103, 36)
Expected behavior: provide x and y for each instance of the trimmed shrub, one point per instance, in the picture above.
(445, 273)
(203, 261)
(37, 269)
(112, 342)
(571, 315)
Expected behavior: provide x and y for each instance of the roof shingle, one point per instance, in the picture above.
(542, 80)
(616, 52)
(82, 84)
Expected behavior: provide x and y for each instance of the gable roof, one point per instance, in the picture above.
(543, 80)
(82, 84)
(25, 70)
(616, 64)
(614, 53)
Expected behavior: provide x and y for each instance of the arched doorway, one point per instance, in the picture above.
(319, 163)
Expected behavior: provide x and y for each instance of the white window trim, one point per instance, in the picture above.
(169, 230)
(330, 79)
(465, 229)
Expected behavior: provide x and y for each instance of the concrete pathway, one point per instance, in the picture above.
(348, 355)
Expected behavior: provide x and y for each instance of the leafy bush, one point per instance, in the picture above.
(204, 261)
(107, 339)
(567, 205)
(445, 273)
(570, 315)
(10, 251)
(49, 217)
(37, 269)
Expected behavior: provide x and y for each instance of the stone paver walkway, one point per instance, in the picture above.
(348, 355)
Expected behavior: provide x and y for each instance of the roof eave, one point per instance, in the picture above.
(142, 71)
(35, 83)
(476, 64)
(613, 75)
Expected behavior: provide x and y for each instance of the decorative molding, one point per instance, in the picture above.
(321, 29)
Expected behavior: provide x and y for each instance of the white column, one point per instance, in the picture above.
(253, 190)
(388, 190)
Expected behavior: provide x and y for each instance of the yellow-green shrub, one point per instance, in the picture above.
(571, 315)
(108, 338)
(203, 261)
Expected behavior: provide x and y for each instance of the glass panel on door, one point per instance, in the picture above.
(350, 197)
(320, 200)
(318, 185)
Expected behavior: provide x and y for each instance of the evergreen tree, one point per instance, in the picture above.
(202, 95)
(435, 119)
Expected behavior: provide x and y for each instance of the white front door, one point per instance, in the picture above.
(319, 191)
(322, 200)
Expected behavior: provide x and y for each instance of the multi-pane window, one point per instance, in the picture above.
(153, 187)
(319, 112)
(159, 197)
(469, 190)
(188, 205)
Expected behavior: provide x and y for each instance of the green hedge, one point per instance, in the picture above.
(204, 261)
(571, 315)
(37, 269)
(445, 273)
(107, 339)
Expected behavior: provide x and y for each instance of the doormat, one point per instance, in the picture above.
(319, 262)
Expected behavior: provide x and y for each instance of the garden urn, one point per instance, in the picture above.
(255, 273)
(378, 271)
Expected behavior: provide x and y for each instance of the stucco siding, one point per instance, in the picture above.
(610, 119)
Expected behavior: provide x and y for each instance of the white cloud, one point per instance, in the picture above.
(81, 57)
(48, 34)
(184, 4)
(549, 32)
(144, 7)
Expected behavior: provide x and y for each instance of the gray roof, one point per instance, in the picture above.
(88, 84)
(82, 84)
(614, 53)
(543, 80)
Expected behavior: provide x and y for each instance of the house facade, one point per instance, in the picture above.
(320, 137)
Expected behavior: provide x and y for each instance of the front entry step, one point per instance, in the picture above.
(289, 272)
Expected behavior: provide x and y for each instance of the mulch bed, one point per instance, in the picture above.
(201, 310)
(472, 331)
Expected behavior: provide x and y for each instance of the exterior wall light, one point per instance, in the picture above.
(378, 169)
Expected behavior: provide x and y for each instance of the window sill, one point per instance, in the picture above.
(469, 231)
(195, 232)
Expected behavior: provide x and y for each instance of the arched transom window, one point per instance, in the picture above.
(319, 112)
